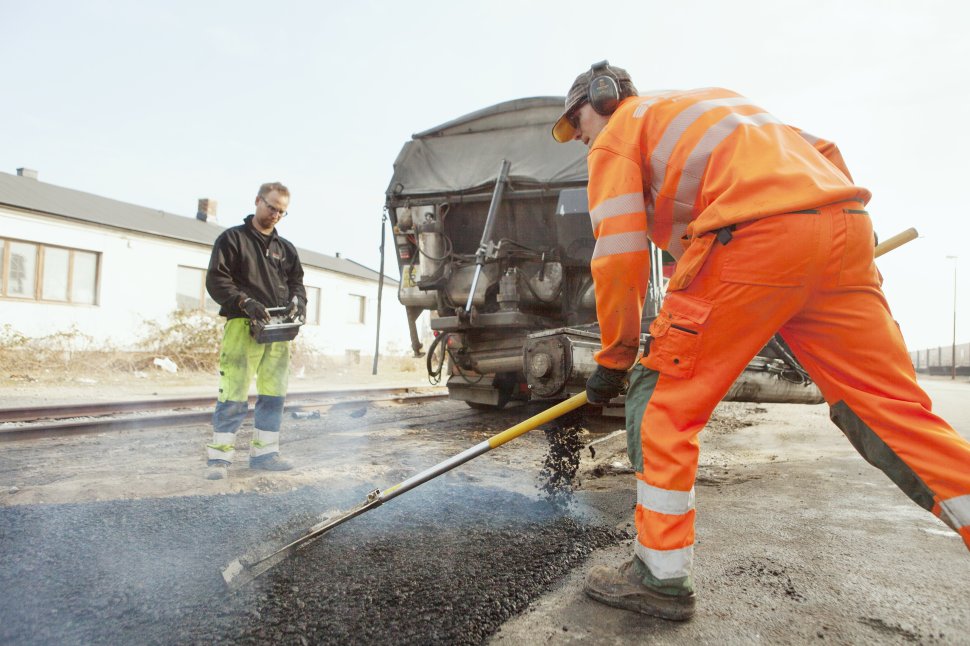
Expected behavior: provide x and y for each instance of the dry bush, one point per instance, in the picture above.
(189, 338)
(21, 355)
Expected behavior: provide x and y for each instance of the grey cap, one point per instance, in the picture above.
(562, 130)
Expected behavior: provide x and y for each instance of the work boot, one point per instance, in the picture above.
(217, 470)
(624, 588)
(271, 462)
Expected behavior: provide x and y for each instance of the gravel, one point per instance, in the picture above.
(446, 564)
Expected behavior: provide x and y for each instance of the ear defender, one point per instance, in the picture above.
(604, 91)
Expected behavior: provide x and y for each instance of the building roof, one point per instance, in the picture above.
(33, 195)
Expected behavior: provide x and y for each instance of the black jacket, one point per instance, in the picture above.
(243, 265)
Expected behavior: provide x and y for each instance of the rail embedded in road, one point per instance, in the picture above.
(73, 419)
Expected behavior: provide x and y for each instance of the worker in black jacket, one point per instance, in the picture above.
(252, 268)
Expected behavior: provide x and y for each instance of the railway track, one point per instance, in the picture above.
(76, 419)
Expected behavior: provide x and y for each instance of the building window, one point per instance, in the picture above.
(84, 266)
(23, 270)
(358, 307)
(57, 263)
(190, 293)
(313, 306)
(47, 273)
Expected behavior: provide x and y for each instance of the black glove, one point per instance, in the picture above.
(255, 310)
(604, 384)
(297, 309)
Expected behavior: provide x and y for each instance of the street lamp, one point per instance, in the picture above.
(953, 355)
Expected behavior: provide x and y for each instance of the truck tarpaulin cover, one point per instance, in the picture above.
(464, 155)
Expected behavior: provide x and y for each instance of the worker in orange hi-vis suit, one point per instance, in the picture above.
(770, 235)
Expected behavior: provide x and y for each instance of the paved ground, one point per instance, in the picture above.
(798, 541)
(116, 538)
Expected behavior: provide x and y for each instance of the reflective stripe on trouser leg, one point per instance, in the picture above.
(226, 419)
(266, 436)
(955, 512)
(223, 447)
(847, 339)
(264, 443)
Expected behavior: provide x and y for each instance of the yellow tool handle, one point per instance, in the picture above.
(547, 415)
(897, 240)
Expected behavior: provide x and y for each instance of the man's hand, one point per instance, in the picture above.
(604, 384)
(255, 310)
(297, 309)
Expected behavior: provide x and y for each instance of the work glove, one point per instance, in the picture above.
(297, 309)
(604, 384)
(255, 310)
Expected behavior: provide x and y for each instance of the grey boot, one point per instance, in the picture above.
(217, 470)
(271, 462)
(624, 588)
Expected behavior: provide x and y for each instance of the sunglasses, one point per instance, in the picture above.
(573, 116)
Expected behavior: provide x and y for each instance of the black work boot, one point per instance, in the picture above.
(624, 588)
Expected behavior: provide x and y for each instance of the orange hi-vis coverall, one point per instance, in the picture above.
(770, 235)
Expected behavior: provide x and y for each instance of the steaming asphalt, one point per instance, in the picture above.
(447, 563)
(447, 566)
(799, 540)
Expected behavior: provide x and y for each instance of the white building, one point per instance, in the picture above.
(70, 259)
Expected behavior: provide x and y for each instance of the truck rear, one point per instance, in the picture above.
(493, 237)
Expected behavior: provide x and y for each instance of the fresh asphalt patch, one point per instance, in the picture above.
(447, 564)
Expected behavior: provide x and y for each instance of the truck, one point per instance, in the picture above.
(492, 236)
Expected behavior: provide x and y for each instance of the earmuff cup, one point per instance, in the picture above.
(604, 91)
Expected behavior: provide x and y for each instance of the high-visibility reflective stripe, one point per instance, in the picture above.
(612, 245)
(958, 509)
(664, 501)
(619, 205)
(223, 447)
(224, 441)
(264, 443)
(666, 564)
(689, 183)
(660, 156)
(645, 104)
(812, 139)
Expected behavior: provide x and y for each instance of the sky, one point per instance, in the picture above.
(162, 103)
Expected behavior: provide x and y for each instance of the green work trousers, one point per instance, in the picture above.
(240, 359)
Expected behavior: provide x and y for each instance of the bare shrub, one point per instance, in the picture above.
(190, 338)
(56, 351)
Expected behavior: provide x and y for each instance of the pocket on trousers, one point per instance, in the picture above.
(676, 335)
(774, 251)
(858, 263)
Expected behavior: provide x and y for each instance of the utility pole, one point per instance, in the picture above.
(953, 350)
